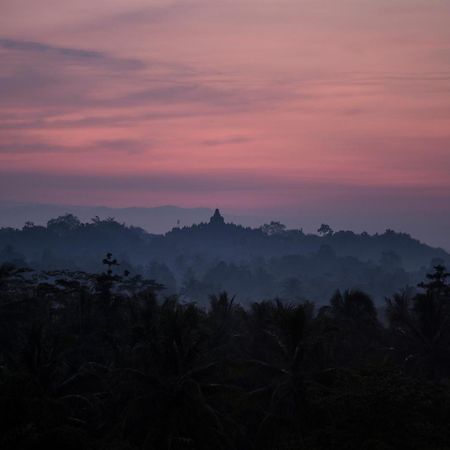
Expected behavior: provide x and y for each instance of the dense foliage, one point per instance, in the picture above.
(108, 361)
(267, 262)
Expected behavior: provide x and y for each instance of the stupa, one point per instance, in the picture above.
(217, 218)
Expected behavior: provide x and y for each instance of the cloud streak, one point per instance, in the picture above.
(106, 147)
(67, 53)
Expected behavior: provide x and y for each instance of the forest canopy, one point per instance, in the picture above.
(252, 263)
(96, 361)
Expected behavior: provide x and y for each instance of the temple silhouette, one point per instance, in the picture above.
(217, 219)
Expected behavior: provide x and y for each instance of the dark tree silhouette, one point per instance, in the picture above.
(106, 359)
(325, 230)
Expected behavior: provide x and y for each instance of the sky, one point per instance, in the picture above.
(304, 110)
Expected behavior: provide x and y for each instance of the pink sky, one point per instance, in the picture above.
(258, 106)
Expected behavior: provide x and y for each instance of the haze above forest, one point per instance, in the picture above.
(161, 219)
(253, 263)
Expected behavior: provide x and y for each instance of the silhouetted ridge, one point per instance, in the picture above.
(211, 256)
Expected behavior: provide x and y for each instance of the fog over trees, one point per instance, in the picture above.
(108, 360)
(251, 263)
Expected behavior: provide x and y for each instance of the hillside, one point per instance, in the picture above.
(212, 256)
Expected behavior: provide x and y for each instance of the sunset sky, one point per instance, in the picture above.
(303, 110)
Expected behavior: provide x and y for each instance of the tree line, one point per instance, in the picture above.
(253, 263)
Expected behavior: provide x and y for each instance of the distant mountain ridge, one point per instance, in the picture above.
(153, 219)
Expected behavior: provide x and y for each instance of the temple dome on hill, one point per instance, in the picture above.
(217, 218)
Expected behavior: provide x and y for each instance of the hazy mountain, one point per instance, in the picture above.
(161, 219)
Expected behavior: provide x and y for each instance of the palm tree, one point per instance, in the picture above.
(421, 325)
(350, 327)
(171, 373)
(282, 348)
